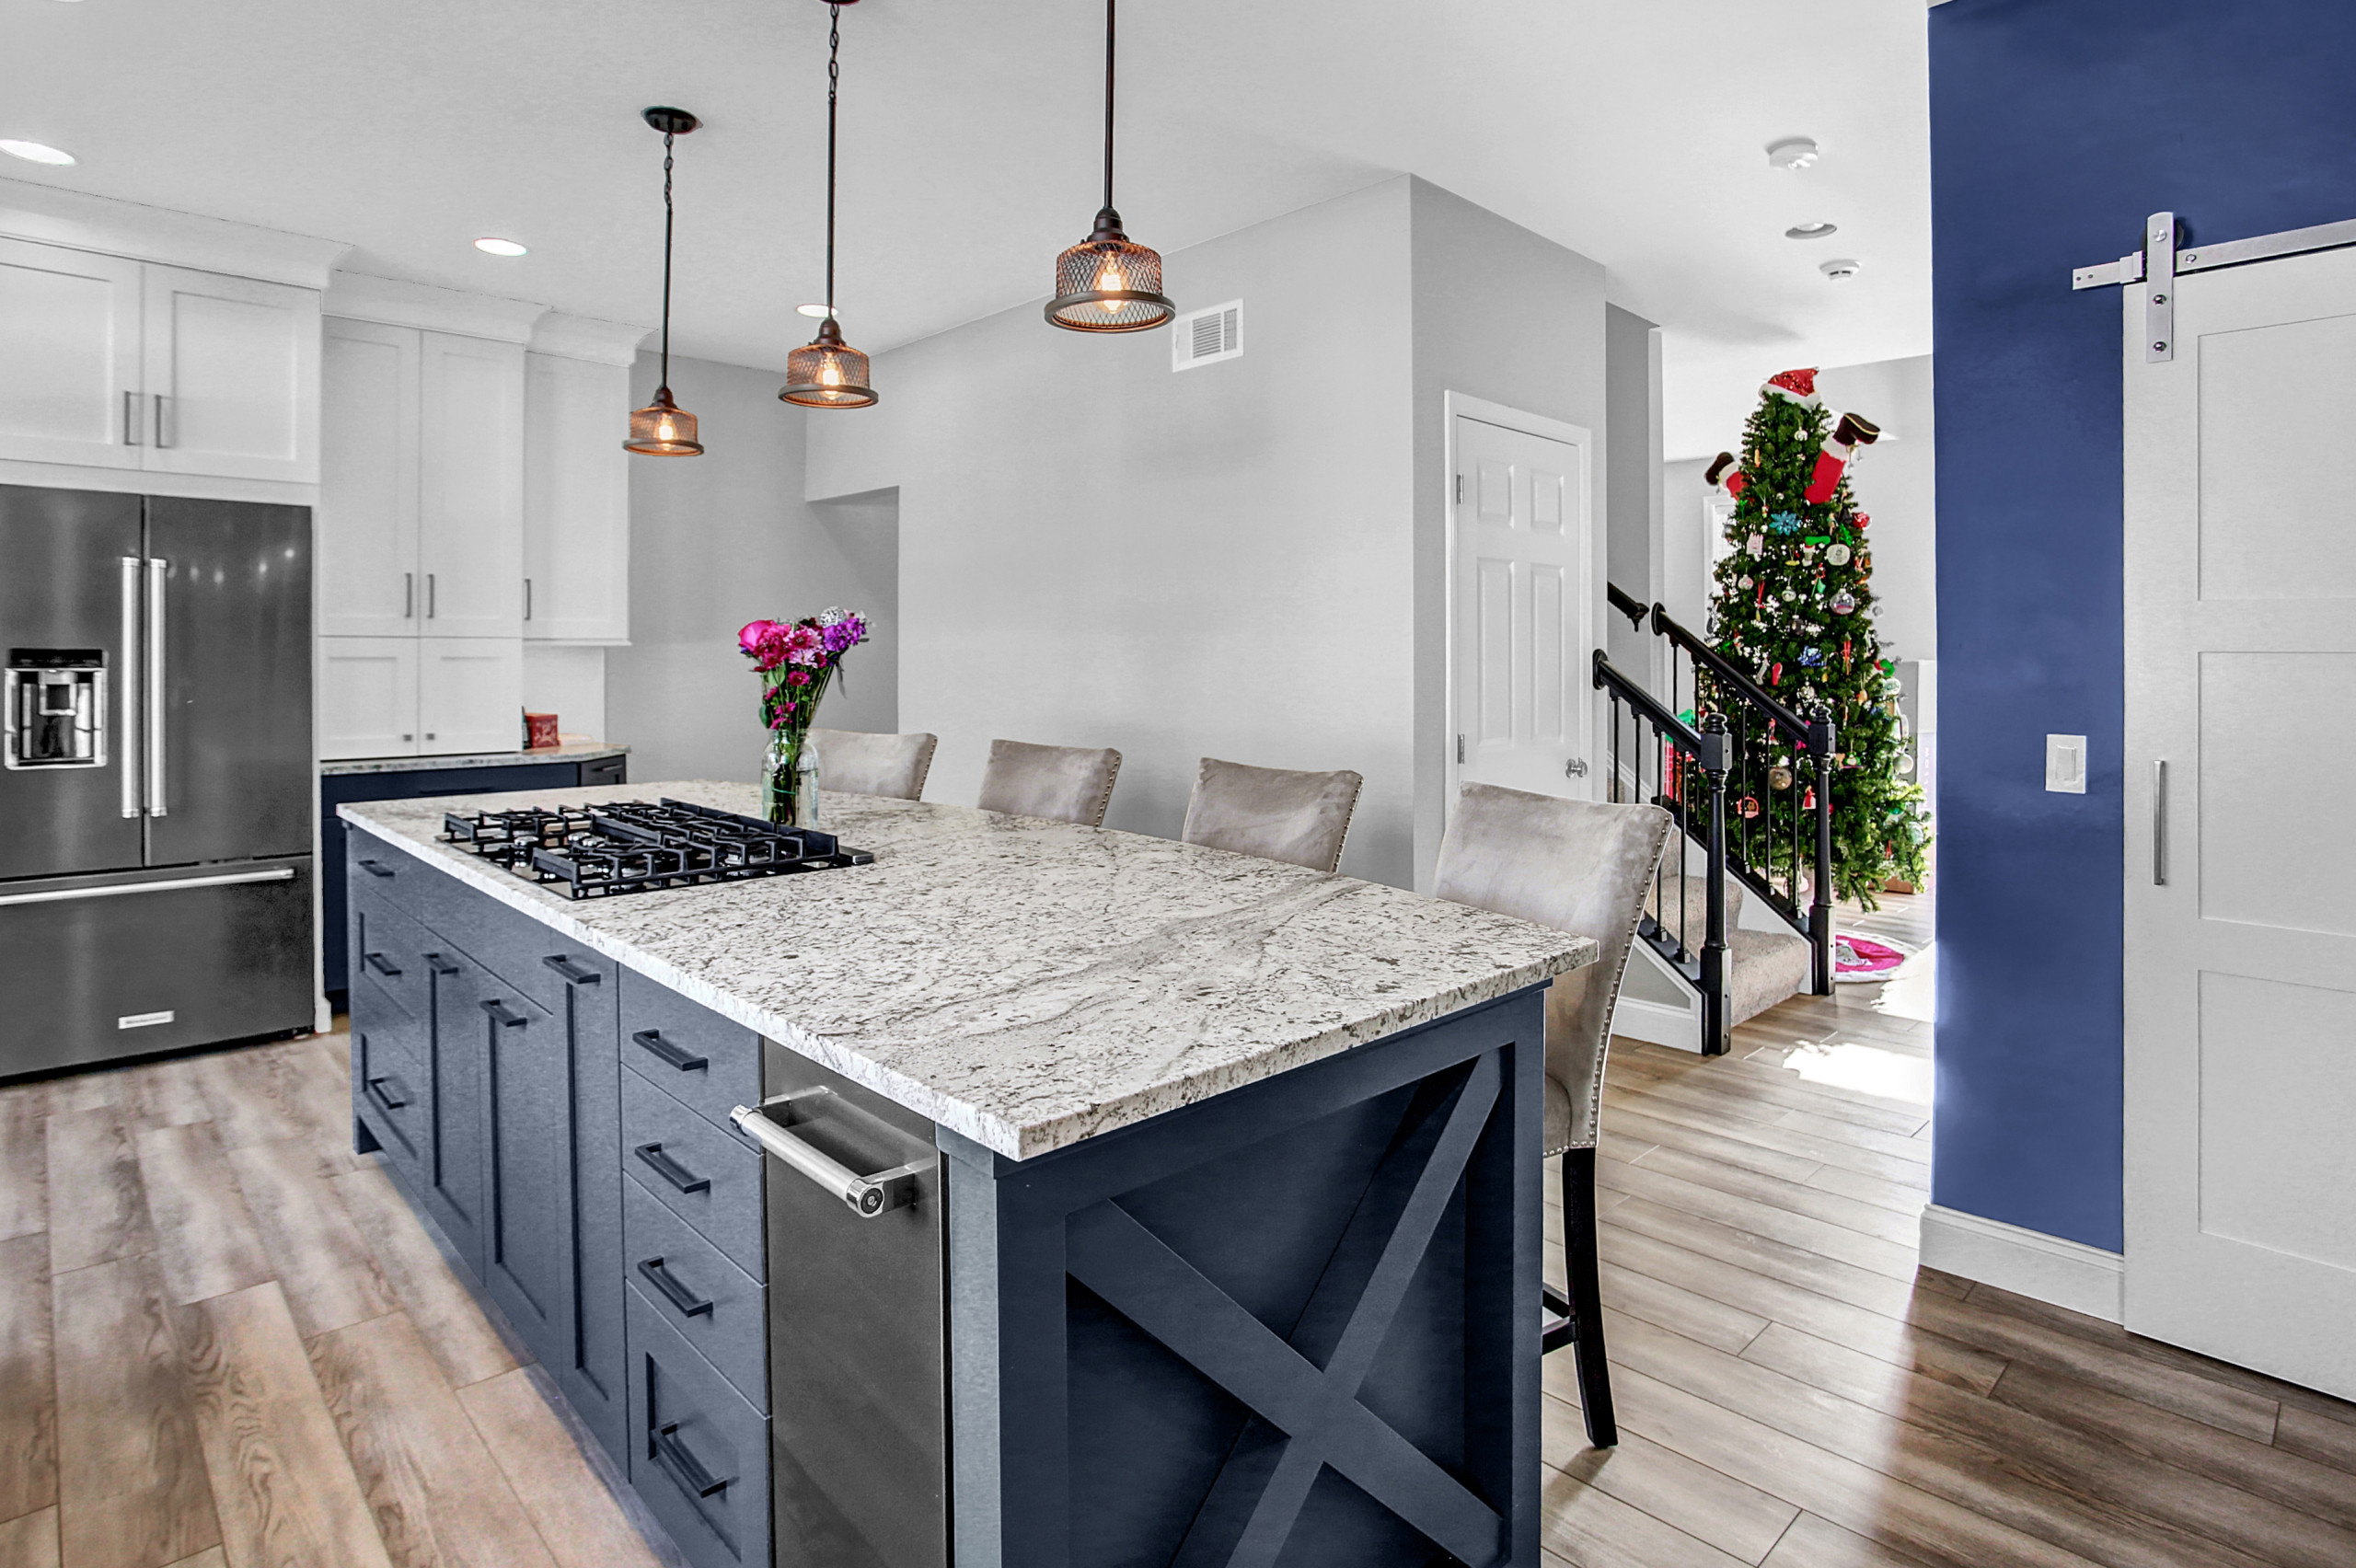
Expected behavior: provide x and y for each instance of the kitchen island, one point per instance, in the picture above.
(1039, 1195)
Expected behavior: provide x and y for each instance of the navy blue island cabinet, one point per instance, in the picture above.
(1291, 1322)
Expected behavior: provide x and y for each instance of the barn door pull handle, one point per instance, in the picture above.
(2159, 825)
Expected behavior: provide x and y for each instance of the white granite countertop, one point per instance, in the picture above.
(573, 751)
(1028, 984)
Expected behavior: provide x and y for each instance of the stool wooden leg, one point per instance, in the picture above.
(1587, 1296)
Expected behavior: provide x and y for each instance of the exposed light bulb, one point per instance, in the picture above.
(1110, 280)
(831, 374)
(667, 430)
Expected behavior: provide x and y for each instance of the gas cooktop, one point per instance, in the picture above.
(633, 847)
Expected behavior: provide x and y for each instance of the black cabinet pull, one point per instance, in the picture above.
(686, 1062)
(380, 964)
(377, 868)
(685, 1465)
(386, 1098)
(572, 973)
(503, 1015)
(690, 1304)
(441, 966)
(671, 1170)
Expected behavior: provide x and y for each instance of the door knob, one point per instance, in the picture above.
(1574, 768)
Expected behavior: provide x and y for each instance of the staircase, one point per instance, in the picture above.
(1722, 862)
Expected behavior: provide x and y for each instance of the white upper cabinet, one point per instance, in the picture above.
(469, 695)
(368, 565)
(576, 497)
(368, 697)
(231, 376)
(470, 489)
(69, 356)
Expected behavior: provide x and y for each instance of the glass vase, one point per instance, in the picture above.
(790, 780)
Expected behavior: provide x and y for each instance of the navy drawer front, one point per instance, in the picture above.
(692, 1286)
(698, 1454)
(389, 1087)
(535, 959)
(393, 875)
(708, 1061)
(388, 949)
(709, 1176)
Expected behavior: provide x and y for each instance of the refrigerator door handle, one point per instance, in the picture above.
(115, 890)
(133, 706)
(158, 698)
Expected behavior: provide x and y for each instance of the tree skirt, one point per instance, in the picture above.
(1867, 959)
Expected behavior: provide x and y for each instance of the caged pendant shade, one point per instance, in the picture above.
(826, 373)
(1108, 282)
(663, 428)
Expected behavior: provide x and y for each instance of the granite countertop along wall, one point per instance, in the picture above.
(577, 751)
(1030, 984)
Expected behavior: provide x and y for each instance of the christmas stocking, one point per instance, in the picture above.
(1853, 430)
(1724, 472)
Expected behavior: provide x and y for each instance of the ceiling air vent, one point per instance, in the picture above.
(1201, 337)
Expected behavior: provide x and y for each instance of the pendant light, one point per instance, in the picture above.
(663, 428)
(1108, 282)
(826, 373)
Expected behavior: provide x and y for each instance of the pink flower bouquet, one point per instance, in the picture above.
(796, 662)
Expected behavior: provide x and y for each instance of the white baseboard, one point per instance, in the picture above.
(2027, 1263)
(1639, 1019)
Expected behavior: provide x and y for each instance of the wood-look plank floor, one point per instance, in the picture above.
(225, 1343)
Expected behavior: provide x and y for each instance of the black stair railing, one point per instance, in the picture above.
(1787, 867)
(1689, 780)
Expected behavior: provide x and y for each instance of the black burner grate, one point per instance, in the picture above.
(634, 846)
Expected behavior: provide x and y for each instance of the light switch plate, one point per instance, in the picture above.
(2065, 764)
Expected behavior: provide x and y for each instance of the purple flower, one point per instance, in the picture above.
(844, 635)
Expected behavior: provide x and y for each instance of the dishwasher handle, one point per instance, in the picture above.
(866, 1196)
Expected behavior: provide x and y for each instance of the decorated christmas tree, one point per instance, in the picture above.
(1793, 604)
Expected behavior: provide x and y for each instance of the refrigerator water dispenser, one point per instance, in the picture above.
(57, 707)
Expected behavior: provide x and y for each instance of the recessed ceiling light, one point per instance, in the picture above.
(497, 246)
(1792, 152)
(815, 312)
(1811, 231)
(1840, 268)
(36, 151)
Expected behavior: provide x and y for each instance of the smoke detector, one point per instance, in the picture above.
(1792, 152)
(1840, 267)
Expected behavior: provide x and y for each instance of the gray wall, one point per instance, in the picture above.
(724, 538)
(1098, 551)
(1509, 316)
(1897, 486)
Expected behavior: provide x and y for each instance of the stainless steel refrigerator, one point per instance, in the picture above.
(156, 808)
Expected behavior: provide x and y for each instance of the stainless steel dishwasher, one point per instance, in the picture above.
(858, 1400)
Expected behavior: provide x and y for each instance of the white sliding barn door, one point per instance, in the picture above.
(2241, 942)
(1524, 612)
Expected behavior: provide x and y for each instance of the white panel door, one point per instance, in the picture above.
(368, 697)
(469, 695)
(69, 376)
(576, 501)
(470, 496)
(367, 568)
(1523, 613)
(2241, 909)
(232, 377)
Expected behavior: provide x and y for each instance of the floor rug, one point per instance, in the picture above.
(1866, 960)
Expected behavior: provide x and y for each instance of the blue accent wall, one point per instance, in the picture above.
(2055, 130)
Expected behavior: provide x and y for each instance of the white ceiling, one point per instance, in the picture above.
(1630, 132)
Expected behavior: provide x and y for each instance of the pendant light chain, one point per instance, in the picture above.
(666, 257)
(1108, 103)
(834, 82)
(663, 428)
(828, 372)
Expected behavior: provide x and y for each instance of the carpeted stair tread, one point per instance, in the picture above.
(1697, 902)
(1763, 968)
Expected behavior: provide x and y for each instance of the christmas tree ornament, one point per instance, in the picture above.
(1794, 385)
(1835, 456)
(1722, 475)
(1786, 522)
(1836, 553)
(1811, 657)
(1750, 806)
(1743, 583)
(1807, 799)
(1776, 676)
(1756, 543)
(1779, 779)
(1843, 603)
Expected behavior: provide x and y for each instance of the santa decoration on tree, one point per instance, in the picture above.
(1794, 605)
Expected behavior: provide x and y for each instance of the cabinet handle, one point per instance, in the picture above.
(441, 966)
(685, 1465)
(671, 1170)
(686, 1062)
(162, 404)
(380, 964)
(689, 1303)
(431, 598)
(503, 1015)
(408, 595)
(377, 868)
(572, 974)
(130, 418)
(527, 598)
(867, 1195)
(386, 1099)
(2159, 825)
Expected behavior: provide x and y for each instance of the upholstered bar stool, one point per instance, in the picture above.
(864, 764)
(1274, 812)
(1061, 783)
(1584, 867)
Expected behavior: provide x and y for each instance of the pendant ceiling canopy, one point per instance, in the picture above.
(826, 373)
(663, 428)
(1108, 282)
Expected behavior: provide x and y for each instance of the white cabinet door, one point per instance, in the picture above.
(232, 377)
(69, 356)
(470, 500)
(367, 517)
(368, 697)
(576, 501)
(469, 695)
